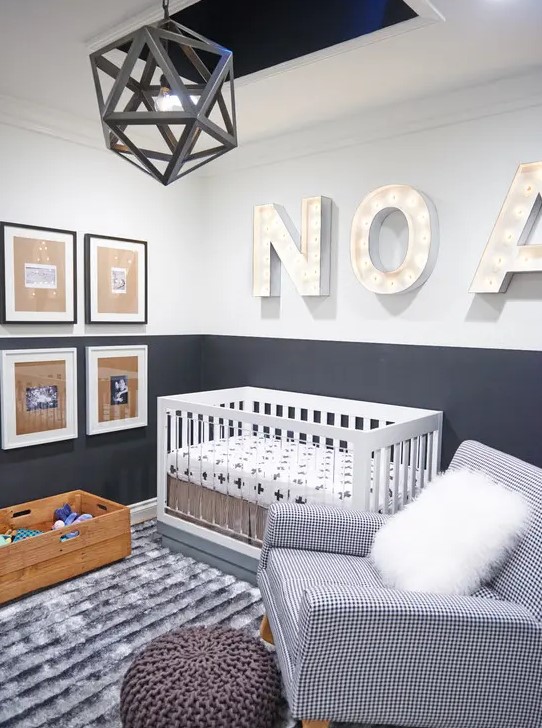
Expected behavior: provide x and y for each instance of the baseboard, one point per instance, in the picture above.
(223, 558)
(143, 511)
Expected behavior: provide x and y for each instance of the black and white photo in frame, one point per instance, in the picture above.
(39, 396)
(116, 388)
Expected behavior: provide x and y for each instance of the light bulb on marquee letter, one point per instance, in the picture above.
(306, 257)
(421, 255)
(508, 251)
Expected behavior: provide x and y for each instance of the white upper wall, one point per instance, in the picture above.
(465, 167)
(461, 148)
(54, 183)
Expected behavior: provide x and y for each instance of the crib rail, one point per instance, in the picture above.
(297, 400)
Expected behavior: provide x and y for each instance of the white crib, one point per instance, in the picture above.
(224, 456)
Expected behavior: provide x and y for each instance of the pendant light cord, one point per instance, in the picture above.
(165, 6)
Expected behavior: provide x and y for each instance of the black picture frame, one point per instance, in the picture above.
(4, 317)
(89, 319)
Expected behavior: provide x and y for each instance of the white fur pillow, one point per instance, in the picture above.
(452, 537)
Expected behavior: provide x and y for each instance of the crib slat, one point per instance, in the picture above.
(386, 479)
(423, 447)
(430, 445)
(361, 476)
(297, 418)
(376, 481)
(413, 467)
(404, 470)
(437, 444)
(330, 420)
(240, 406)
(396, 477)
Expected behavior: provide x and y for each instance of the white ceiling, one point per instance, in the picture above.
(44, 61)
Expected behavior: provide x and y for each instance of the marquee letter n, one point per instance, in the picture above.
(306, 257)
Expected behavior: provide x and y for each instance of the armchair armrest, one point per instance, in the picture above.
(406, 656)
(319, 528)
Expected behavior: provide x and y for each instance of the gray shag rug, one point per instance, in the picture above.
(64, 651)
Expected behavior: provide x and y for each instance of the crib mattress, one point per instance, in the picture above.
(265, 470)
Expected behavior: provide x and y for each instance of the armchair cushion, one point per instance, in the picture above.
(319, 528)
(453, 537)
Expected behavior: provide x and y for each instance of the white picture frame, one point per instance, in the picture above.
(117, 388)
(39, 396)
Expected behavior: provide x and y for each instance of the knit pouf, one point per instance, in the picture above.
(201, 677)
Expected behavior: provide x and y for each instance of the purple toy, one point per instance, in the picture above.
(61, 514)
(71, 518)
(83, 517)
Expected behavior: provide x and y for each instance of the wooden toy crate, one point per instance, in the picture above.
(43, 560)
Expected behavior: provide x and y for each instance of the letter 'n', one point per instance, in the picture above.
(305, 256)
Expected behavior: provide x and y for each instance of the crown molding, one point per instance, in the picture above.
(425, 9)
(34, 117)
(492, 97)
(150, 15)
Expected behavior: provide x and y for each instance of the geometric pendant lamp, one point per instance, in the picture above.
(166, 98)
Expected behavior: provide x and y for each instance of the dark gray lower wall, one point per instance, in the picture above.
(490, 395)
(121, 465)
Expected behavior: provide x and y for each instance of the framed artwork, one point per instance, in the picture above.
(38, 273)
(39, 396)
(116, 280)
(116, 388)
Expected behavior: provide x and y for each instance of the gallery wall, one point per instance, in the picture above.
(46, 181)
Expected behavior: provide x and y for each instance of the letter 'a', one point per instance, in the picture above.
(509, 249)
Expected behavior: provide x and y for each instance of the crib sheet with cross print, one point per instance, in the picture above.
(265, 469)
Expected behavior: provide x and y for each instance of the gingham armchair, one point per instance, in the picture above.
(351, 650)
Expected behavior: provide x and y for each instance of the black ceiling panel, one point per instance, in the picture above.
(264, 34)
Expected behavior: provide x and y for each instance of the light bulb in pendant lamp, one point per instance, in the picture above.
(191, 105)
(166, 99)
